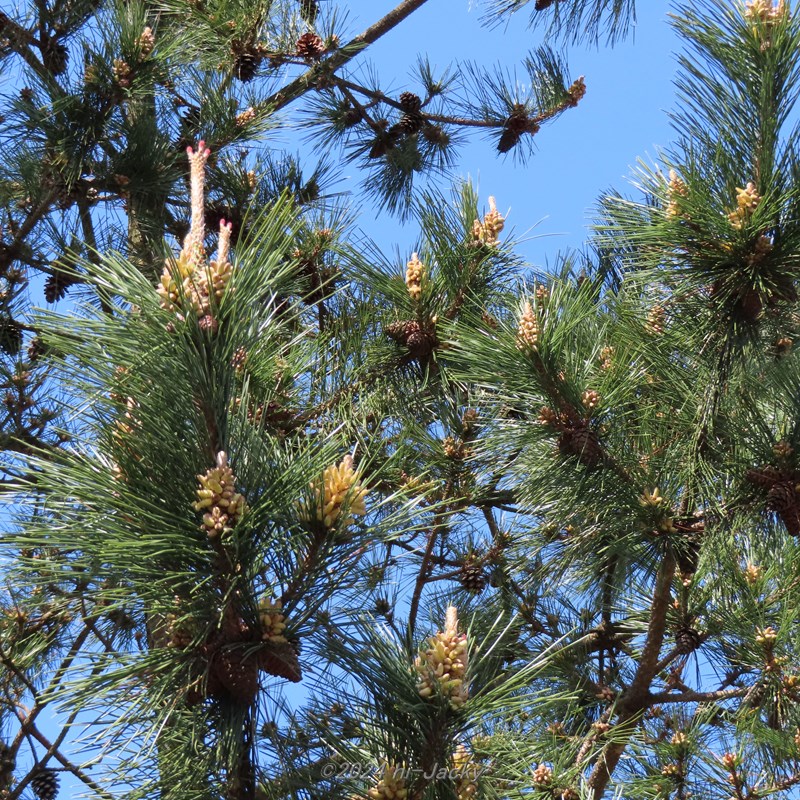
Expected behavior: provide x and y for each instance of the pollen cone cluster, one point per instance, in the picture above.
(217, 499)
(677, 190)
(765, 11)
(390, 786)
(528, 330)
(747, 201)
(273, 622)
(190, 281)
(443, 663)
(486, 232)
(415, 272)
(340, 492)
(466, 774)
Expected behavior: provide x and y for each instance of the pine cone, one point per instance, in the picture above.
(280, 659)
(472, 577)
(435, 135)
(583, 443)
(237, 673)
(246, 64)
(55, 56)
(419, 342)
(409, 125)
(782, 498)
(410, 103)
(310, 46)
(517, 123)
(765, 478)
(541, 5)
(45, 784)
(687, 639)
(10, 336)
(57, 285)
(36, 349)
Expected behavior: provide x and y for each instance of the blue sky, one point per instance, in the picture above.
(585, 152)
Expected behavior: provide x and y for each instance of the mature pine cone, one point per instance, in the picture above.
(45, 784)
(472, 577)
(541, 5)
(782, 498)
(409, 124)
(583, 443)
(55, 56)
(765, 477)
(57, 285)
(237, 673)
(310, 46)
(419, 342)
(410, 103)
(687, 639)
(246, 65)
(10, 336)
(280, 659)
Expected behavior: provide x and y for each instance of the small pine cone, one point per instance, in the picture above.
(782, 498)
(687, 639)
(435, 135)
(55, 56)
(420, 342)
(764, 478)
(280, 659)
(45, 784)
(517, 123)
(410, 103)
(56, 286)
(583, 443)
(237, 673)
(310, 46)
(409, 124)
(246, 64)
(36, 349)
(10, 336)
(208, 323)
(472, 577)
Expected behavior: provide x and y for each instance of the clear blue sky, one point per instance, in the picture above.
(583, 153)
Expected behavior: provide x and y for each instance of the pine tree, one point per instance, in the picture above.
(517, 536)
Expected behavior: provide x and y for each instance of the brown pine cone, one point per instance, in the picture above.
(57, 285)
(280, 659)
(246, 64)
(782, 498)
(410, 103)
(517, 123)
(419, 342)
(765, 477)
(687, 639)
(582, 442)
(237, 673)
(310, 46)
(472, 577)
